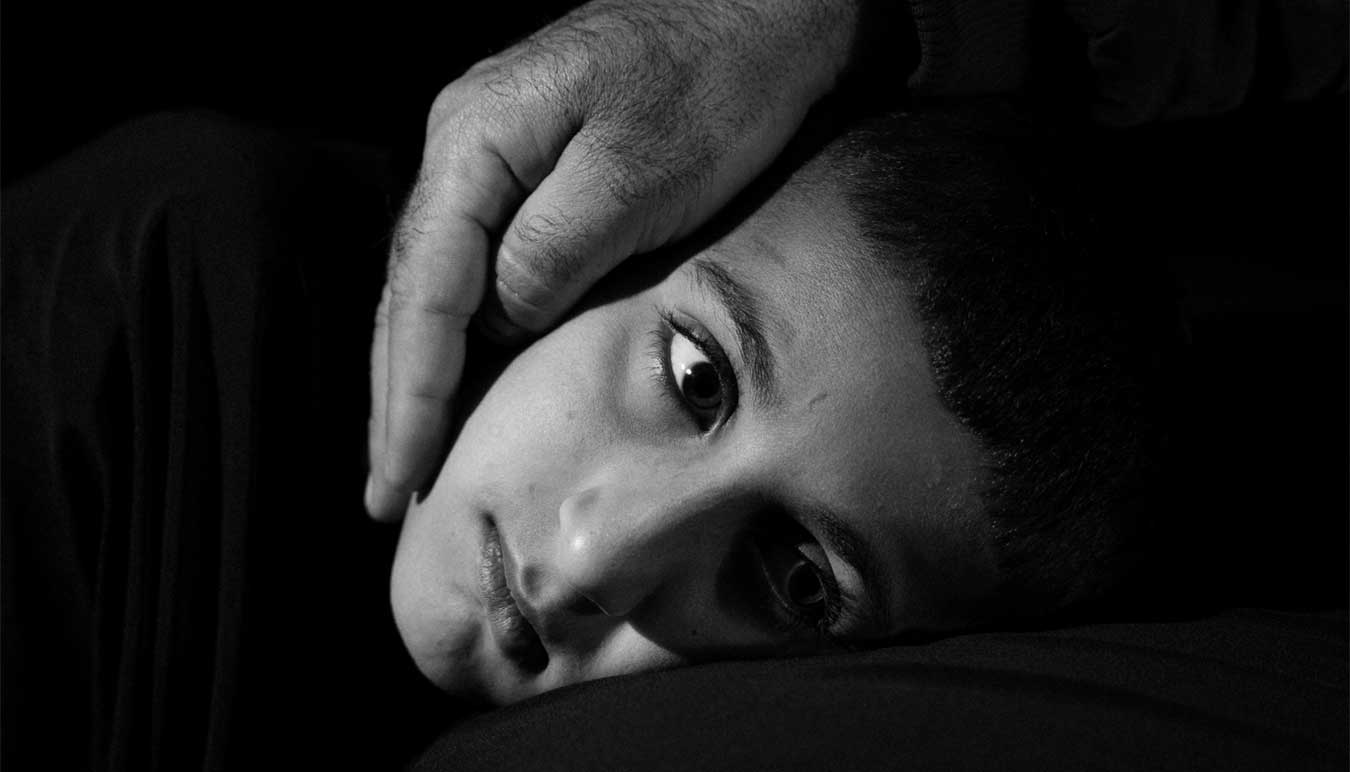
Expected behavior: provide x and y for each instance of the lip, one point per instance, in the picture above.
(510, 629)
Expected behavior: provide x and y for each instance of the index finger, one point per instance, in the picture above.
(437, 275)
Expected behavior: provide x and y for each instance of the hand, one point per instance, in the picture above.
(620, 127)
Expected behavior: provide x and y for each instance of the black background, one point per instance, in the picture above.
(365, 72)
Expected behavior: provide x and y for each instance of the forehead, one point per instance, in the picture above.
(858, 425)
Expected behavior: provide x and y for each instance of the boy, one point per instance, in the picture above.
(891, 398)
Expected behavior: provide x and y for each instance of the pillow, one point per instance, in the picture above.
(1241, 689)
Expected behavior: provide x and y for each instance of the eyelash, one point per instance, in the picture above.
(660, 355)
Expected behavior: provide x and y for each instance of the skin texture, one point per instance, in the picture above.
(613, 131)
(636, 539)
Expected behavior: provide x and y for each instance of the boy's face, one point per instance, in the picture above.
(744, 458)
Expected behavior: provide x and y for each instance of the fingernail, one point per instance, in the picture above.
(384, 503)
(369, 496)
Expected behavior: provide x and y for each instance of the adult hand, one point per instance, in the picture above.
(618, 128)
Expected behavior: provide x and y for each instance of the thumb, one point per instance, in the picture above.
(588, 215)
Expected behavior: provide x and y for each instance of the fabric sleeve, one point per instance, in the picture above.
(1140, 61)
(189, 579)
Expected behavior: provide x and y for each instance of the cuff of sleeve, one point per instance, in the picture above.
(970, 46)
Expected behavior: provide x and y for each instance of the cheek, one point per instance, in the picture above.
(543, 418)
(433, 604)
(554, 387)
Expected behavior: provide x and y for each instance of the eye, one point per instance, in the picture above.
(694, 371)
(695, 375)
(797, 573)
(804, 589)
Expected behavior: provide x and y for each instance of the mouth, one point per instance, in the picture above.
(512, 632)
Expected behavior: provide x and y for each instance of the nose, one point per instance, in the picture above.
(622, 542)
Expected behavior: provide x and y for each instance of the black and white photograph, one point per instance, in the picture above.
(675, 385)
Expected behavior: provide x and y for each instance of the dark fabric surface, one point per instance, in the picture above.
(1238, 690)
(189, 578)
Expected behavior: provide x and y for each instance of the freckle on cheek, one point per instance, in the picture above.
(571, 415)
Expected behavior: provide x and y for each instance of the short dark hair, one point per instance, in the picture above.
(1050, 350)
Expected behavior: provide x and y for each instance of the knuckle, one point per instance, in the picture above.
(634, 163)
(494, 74)
(400, 279)
(408, 231)
(446, 104)
(469, 111)
(551, 67)
(411, 288)
(422, 284)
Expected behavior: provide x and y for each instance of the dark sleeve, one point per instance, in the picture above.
(189, 580)
(1133, 61)
(1243, 690)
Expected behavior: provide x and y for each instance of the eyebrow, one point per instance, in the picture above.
(747, 321)
(873, 609)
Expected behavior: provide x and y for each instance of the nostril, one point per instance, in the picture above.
(546, 590)
(550, 590)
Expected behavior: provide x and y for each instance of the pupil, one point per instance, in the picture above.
(803, 586)
(701, 386)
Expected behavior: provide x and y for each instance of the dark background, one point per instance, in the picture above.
(1249, 211)
(364, 72)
